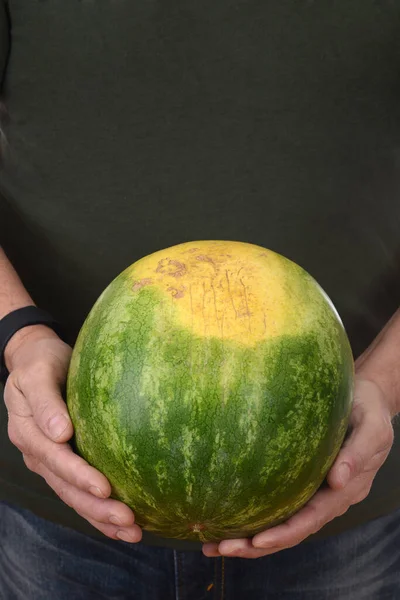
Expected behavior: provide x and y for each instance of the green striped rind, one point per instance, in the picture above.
(204, 433)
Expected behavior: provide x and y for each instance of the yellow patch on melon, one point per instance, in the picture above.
(229, 290)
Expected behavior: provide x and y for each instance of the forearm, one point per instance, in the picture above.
(381, 362)
(13, 295)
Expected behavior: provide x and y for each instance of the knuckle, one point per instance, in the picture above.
(8, 398)
(41, 368)
(65, 496)
(56, 460)
(79, 511)
(293, 543)
(14, 435)
(379, 458)
(24, 378)
(342, 510)
(82, 475)
(387, 438)
(49, 460)
(12, 383)
(44, 412)
(79, 472)
(11, 392)
(317, 524)
(30, 462)
(315, 520)
(360, 497)
(362, 494)
(357, 463)
(33, 373)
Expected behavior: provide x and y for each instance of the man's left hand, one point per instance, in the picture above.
(349, 480)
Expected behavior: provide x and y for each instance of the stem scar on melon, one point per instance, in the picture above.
(198, 528)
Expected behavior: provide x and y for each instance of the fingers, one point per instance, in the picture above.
(40, 426)
(210, 549)
(322, 508)
(58, 458)
(111, 517)
(240, 548)
(38, 394)
(350, 480)
(131, 535)
(28, 429)
(371, 439)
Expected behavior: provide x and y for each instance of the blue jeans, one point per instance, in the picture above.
(43, 561)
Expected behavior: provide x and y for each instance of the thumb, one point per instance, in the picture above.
(371, 436)
(48, 408)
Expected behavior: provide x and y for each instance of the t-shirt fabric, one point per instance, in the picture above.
(134, 126)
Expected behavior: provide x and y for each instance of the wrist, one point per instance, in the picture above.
(380, 363)
(386, 378)
(20, 338)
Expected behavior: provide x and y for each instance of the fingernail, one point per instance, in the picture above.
(124, 536)
(96, 491)
(115, 520)
(57, 425)
(344, 473)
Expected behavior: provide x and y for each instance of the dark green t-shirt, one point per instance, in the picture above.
(133, 126)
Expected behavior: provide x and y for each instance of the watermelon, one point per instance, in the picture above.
(212, 384)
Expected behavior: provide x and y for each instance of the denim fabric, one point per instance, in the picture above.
(43, 561)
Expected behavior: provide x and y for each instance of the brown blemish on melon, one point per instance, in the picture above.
(177, 293)
(141, 283)
(173, 268)
(208, 259)
(205, 258)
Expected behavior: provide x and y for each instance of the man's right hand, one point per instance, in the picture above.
(40, 426)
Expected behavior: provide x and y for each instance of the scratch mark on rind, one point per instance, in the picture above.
(247, 313)
(230, 293)
(215, 307)
(204, 258)
(191, 304)
(203, 308)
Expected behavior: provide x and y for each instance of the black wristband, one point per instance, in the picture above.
(16, 320)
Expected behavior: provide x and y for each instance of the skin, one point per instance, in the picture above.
(38, 360)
